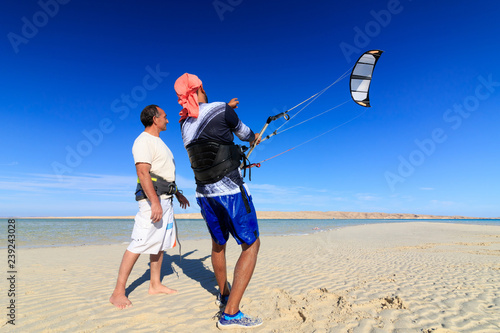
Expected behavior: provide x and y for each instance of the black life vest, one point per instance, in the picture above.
(211, 161)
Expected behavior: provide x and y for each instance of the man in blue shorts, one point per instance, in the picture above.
(208, 131)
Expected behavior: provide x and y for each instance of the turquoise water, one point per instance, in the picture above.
(77, 232)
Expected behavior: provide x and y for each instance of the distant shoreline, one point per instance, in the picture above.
(302, 215)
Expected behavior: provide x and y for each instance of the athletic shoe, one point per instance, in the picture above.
(239, 320)
(221, 300)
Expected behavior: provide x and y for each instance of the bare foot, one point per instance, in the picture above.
(120, 301)
(161, 289)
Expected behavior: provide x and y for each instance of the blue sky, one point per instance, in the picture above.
(76, 75)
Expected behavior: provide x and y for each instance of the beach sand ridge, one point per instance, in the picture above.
(397, 277)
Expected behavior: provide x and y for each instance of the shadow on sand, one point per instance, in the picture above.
(193, 268)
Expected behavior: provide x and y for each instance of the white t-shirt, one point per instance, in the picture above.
(151, 149)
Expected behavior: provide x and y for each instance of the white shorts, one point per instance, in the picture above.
(151, 238)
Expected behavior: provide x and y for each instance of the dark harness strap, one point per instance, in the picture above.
(160, 185)
(245, 199)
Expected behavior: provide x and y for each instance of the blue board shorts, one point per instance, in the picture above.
(230, 214)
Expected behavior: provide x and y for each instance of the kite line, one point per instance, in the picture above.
(359, 85)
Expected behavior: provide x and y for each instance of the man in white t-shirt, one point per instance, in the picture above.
(154, 228)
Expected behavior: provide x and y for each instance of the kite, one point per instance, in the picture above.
(361, 77)
(359, 85)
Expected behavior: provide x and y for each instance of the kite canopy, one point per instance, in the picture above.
(361, 77)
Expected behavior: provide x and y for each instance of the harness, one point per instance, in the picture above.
(211, 161)
(160, 185)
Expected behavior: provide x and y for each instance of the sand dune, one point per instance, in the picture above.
(398, 277)
(298, 215)
(333, 215)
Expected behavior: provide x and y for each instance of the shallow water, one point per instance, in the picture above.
(77, 232)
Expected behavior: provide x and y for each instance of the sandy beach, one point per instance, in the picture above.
(399, 277)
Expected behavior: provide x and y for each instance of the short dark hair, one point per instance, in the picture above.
(148, 113)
